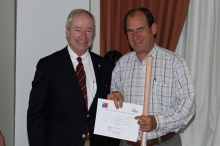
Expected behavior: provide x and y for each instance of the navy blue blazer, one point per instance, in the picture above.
(57, 114)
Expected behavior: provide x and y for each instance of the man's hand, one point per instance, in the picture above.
(2, 140)
(117, 97)
(147, 123)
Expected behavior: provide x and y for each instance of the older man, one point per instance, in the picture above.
(66, 87)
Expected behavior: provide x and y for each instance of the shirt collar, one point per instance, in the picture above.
(74, 56)
(152, 52)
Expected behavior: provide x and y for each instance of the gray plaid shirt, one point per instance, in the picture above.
(172, 95)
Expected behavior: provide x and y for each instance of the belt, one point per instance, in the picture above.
(155, 141)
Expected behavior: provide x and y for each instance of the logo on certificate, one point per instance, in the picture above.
(134, 110)
(104, 105)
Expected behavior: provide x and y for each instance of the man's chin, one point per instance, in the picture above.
(83, 47)
(138, 49)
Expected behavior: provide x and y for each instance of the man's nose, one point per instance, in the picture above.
(83, 34)
(135, 35)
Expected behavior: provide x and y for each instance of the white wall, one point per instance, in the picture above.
(7, 58)
(40, 31)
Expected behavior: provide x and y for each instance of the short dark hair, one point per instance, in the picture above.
(113, 55)
(145, 11)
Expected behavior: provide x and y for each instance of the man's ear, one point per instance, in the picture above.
(67, 32)
(154, 28)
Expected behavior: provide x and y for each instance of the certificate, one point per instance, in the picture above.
(117, 123)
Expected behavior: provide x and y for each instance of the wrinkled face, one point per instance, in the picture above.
(81, 34)
(140, 36)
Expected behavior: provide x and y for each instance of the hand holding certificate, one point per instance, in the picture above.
(117, 123)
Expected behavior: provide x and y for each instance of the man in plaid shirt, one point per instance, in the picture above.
(172, 95)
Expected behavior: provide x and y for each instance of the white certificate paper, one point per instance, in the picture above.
(117, 123)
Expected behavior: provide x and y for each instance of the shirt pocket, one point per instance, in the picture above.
(161, 95)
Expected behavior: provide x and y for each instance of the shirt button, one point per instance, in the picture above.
(83, 136)
(88, 115)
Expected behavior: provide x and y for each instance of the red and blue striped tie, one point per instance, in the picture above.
(80, 73)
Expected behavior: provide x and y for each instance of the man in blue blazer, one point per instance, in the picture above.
(57, 114)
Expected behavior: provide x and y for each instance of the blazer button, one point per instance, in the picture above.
(83, 136)
(88, 115)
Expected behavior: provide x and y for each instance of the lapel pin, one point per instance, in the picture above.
(99, 65)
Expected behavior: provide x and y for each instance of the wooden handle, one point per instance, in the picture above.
(146, 95)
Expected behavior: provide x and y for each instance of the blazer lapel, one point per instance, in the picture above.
(97, 70)
(67, 66)
(97, 67)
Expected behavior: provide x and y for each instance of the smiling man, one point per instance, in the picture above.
(172, 95)
(66, 87)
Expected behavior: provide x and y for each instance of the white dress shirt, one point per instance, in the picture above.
(89, 70)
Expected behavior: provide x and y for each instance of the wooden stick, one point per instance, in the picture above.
(146, 95)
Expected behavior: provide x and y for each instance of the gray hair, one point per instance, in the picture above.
(73, 13)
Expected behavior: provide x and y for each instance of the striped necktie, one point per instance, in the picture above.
(80, 73)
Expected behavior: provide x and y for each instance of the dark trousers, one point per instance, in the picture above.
(113, 142)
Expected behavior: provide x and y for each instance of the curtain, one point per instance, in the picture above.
(169, 16)
(199, 45)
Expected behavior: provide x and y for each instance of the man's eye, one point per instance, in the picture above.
(140, 29)
(129, 31)
(88, 30)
